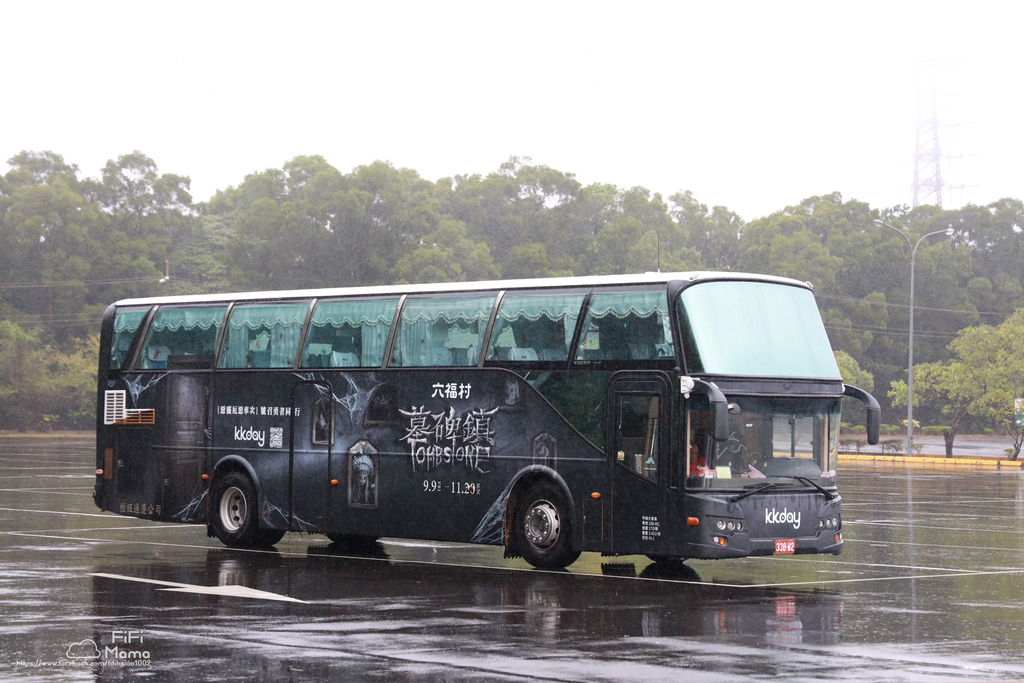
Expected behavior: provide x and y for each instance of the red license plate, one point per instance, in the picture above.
(785, 547)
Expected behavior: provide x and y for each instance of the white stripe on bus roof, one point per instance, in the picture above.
(442, 287)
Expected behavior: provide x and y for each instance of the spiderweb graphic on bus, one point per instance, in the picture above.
(195, 511)
(136, 385)
(269, 511)
(491, 528)
(356, 399)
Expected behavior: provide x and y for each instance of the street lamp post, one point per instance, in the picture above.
(910, 353)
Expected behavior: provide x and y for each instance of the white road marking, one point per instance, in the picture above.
(228, 591)
(109, 515)
(933, 572)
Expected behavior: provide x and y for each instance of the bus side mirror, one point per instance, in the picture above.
(719, 405)
(874, 416)
(721, 413)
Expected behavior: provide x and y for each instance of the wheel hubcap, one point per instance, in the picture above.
(233, 509)
(542, 525)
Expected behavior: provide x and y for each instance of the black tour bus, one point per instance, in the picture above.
(674, 415)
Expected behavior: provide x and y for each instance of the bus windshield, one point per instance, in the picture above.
(768, 439)
(754, 329)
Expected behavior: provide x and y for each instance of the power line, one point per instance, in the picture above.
(76, 283)
(916, 306)
(51, 317)
(892, 333)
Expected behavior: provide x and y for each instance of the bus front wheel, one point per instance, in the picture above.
(235, 511)
(544, 527)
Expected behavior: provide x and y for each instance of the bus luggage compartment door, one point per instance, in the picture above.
(182, 464)
(638, 443)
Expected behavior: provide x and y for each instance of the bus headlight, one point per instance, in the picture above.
(728, 525)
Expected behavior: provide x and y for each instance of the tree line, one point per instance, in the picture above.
(71, 245)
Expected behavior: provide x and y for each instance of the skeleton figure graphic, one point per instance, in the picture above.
(362, 477)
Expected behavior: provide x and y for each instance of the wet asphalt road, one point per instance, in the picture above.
(928, 588)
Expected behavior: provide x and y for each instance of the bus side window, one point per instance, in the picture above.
(349, 334)
(181, 337)
(126, 324)
(264, 335)
(535, 326)
(624, 326)
(446, 331)
(638, 434)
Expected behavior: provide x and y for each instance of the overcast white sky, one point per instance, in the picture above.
(753, 106)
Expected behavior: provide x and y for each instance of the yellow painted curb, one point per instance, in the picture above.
(984, 463)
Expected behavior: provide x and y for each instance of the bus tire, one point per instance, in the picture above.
(543, 527)
(235, 514)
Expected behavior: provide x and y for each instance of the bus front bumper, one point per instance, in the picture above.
(721, 546)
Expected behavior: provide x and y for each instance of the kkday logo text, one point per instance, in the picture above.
(783, 516)
(250, 434)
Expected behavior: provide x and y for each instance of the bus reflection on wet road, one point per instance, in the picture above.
(927, 589)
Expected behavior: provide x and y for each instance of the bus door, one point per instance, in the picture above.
(311, 464)
(638, 444)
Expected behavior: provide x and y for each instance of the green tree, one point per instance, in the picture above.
(378, 216)
(636, 233)
(793, 243)
(144, 203)
(42, 388)
(998, 352)
(852, 373)
(447, 255)
(532, 261)
(428, 264)
(52, 241)
(519, 204)
(200, 265)
(37, 168)
(981, 381)
(714, 235)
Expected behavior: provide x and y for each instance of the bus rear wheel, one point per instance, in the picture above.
(235, 514)
(543, 527)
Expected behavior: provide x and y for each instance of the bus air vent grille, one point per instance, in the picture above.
(113, 407)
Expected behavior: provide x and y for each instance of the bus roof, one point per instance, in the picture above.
(537, 283)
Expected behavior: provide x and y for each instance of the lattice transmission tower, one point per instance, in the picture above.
(927, 150)
(929, 184)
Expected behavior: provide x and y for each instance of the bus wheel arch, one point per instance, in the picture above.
(234, 513)
(539, 520)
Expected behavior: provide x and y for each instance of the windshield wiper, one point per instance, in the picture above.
(755, 488)
(810, 482)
